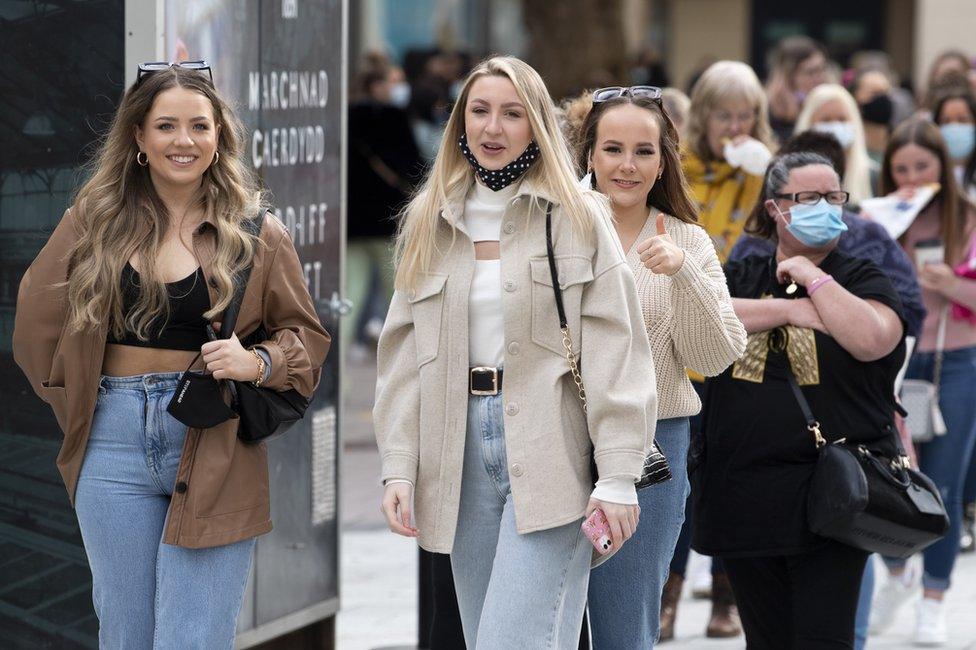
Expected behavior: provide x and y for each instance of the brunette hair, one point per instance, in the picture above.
(670, 193)
(956, 208)
(790, 52)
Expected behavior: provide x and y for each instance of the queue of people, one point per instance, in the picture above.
(814, 292)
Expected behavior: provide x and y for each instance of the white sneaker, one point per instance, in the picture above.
(700, 576)
(892, 596)
(930, 626)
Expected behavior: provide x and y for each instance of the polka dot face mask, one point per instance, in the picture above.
(499, 179)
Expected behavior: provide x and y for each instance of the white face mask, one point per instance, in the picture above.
(843, 131)
(400, 94)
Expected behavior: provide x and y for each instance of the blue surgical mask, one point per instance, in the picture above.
(816, 225)
(960, 139)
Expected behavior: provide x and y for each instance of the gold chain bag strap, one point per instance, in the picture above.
(656, 469)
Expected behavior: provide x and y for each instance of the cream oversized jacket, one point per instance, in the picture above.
(420, 415)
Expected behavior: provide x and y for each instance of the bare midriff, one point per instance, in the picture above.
(130, 360)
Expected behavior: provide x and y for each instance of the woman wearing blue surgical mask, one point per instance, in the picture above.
(835, 323)
(955, 113)
(829, 108)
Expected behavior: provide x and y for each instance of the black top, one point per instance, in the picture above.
(186, 327)
(384, 165)
(759, 456)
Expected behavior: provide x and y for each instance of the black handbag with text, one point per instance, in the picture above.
(264, 413)
(656, 469)
(868, 501)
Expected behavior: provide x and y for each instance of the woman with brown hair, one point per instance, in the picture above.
(629, 147)
(916, 156)
(112, 311)
(798, 64)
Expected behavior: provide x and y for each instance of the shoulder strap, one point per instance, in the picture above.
(563, 323)
(557, 290)
(229, 320)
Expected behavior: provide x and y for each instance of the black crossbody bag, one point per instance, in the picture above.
(869, 501)
(264, 413)
(656, 469)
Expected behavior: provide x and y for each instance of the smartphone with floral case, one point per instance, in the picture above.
(597, 530)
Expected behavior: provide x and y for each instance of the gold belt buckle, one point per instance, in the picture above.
(494, 381)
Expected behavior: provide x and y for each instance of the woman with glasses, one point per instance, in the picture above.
(484, 439)
(917, 156)
(113, 310)
(629, 148)
(723, 157)
(833, 323)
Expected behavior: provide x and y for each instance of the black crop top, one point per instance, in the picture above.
(188, 300)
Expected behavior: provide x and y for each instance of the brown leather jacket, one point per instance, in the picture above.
(221, 491)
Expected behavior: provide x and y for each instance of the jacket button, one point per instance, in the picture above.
(510, 285)
(513, 348)
(512, 408)
(517, 470)
(509, 228)
(180, 487)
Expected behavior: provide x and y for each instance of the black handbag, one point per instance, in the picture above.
(868, 501)
(264, 413)
(656, 469)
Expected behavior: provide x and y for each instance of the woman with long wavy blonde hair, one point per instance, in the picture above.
(125, 296)
(503, 484)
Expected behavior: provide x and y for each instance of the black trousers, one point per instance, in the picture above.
(799, 602)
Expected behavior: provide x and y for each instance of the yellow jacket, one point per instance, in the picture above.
(725, 196)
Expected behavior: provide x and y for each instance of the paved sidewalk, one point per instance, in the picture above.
(378, 587)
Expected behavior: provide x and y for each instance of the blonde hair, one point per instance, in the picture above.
(677, 105)
(857, 165)
(721, 81)
(119, 213)
(451, 175)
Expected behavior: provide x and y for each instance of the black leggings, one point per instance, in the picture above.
(799, 602)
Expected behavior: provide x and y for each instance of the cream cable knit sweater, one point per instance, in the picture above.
(689, 317)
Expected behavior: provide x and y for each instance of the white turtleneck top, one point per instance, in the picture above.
(483, 212)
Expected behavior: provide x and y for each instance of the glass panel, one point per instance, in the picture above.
(64, 61)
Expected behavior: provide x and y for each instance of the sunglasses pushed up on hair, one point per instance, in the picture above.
(152, 67)
(613, 92)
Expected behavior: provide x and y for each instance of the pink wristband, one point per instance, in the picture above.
(819, 282)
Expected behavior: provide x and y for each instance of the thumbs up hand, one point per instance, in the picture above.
(660, 254)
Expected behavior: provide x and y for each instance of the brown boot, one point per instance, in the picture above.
(724, 622)
(669, 605)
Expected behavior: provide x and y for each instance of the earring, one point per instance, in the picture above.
(142, 156)
(660, 174)
(216, 158)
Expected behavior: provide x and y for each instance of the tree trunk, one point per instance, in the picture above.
(576, 44)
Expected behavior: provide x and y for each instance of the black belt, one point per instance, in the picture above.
(484, 381)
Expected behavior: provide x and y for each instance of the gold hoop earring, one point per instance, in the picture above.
(216, 158)
(142, 155)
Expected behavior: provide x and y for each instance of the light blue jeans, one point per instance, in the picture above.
(513, 591)
(625, 592)
(864, 606)
(148, 594)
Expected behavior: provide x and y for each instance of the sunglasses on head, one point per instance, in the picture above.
(613, 92)
(146, 69)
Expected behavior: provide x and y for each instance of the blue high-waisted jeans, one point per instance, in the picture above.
(946, 458)
(513, 591)
(625, 593)
(148, 594)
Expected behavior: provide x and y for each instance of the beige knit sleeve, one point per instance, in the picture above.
(707, 334)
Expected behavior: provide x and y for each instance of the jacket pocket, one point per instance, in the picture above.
(427, 308)
(237, 482)
(574, 272)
